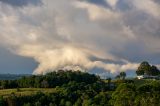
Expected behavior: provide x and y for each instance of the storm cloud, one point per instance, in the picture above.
(21, 3)
(114, 35)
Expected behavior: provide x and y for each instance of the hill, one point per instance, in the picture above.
(78, 89)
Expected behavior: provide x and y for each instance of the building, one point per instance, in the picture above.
(145, 76)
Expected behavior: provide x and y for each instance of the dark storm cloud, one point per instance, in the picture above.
(21, 2)
(123, 5)
(157, 1)
(11, 63)
(99, 2)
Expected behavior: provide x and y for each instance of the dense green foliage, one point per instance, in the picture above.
(81, 89)
(122, 75)
(130, 95)
(146, 68)
(49, 80)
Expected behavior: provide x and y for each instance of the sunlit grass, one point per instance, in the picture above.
(26, 91)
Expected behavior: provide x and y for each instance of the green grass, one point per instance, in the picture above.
(143, 81)
(26, 91)
(140, 82)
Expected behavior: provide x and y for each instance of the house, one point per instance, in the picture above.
(145, 76)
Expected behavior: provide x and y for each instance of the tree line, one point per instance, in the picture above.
(97, 93)
(49, 80)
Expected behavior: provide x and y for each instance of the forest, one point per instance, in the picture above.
(76, 88)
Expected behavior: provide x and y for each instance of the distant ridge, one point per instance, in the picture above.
(12, 76)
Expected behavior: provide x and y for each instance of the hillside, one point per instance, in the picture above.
(78, 89)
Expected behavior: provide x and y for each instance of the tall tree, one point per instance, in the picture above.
(144, 68)
(123, 75)
(155, 70)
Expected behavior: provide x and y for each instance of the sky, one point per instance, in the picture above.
(99, 36)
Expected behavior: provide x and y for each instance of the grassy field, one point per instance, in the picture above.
(26, 91)
(144, 81)
(30, 91)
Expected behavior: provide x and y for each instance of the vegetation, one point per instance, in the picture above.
(146, 68)
(79, 89)
(25, 91)
(122, 76)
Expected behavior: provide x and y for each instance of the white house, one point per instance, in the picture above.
(145, 76)
(142, 76)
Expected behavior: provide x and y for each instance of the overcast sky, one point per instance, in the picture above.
(38, 36)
